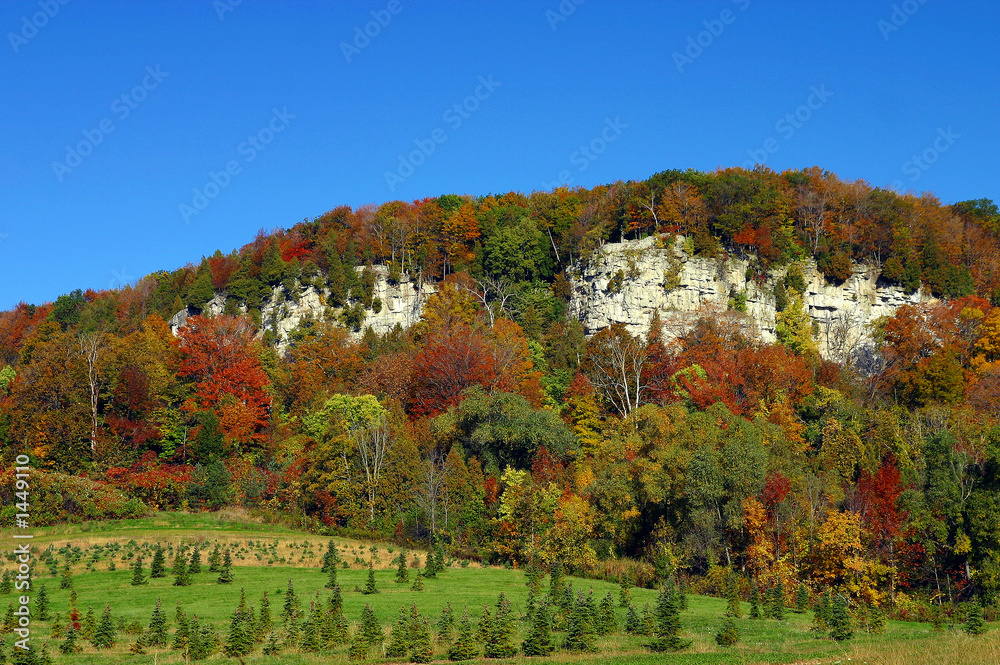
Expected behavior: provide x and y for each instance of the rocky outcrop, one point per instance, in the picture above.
(629, 281)
(394, 304)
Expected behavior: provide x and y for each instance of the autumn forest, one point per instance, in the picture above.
(497, 426)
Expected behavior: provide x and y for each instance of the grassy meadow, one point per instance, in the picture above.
(266, 557)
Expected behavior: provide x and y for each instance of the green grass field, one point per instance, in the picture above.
(272, 555)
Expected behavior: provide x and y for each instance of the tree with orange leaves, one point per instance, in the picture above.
(222, 359)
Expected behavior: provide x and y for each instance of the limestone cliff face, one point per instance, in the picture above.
(399, 303)
(626, 283)
(629, 281)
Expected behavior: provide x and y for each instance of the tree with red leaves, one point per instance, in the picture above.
(222, 358)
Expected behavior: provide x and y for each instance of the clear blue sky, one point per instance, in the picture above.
(196, 86)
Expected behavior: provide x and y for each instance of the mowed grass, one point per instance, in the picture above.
(763, 641)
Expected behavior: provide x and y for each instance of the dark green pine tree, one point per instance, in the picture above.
(633, 626)
(66, 581)
(421, 650)
(331, 550)
(104, 636)
(399, 639)
(801, 598)
(89, 628)
(69, 645)
(499, 642)
(138, 578)
(271, 647)
(215, 560)
(728, 634)
(331, 579)
(272, 267)
(647, 621)
(336, 600)
(264, 624)
(556, 582)
(240, 640)
(197, 644)
(292, 605)
(580, 631)
(370, 581)
(158, 567)
(157, 633)
(607, 622)
(538, 641)
(9, 619)
(776, 608)
(226, 569)
(370, 629)
(201, 291)
(668, 622)
(754, 601)
(823, 612)
(183, 630)
(418, 581)
(625, 590)
(7, 583)
(465, 646)
(402, 573)
(182, 577)
(311, 640)
(877, 620)
(194, 567)
(359, 648)
(485, 628)
(840, 620)
(42, 604)
(445, 626)
(974, 624)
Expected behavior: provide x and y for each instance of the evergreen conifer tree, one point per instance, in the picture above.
(7, 583)
(418, 581)
(157, 633)
(733, 606)
(264, 625)
(336, 600)
(194, 567)
(801, 598)
(580, 629)
(182, 632)
(89, 624)
(215, 560)
(331, 579)
(240, 640)
(69, 645)
(9, 619)
(402, 574)
(104, 636)
(464, 647)
(485, 627)
(840, 620)
(633, 626)
(370, 581)
(421, 650)
(57, 627)
(754, 601)
(625, 590)
(371, 631)
(158, 568)
(647, 621)
(728, 634)
(974, 624)
(777, 604)
(196, 647)
(66, 581)
(271, 647)
(538, 642)
(668, 622)
(399, 639)
(226, 569)
(310, 641)
(138, 579)
(877, 620)
(607, 622)
(445, 625)
(499, 641)
(823, 613)
(42, 604)
(292, 605)
(556, 582)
